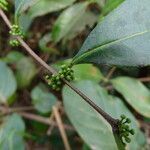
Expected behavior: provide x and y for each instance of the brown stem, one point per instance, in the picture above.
(110, 73)
(145, 79)
(43, 120)
(6, 110)
(61, 128)
(110, 120)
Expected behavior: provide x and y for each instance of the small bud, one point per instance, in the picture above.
(58, 83)
(47, 77)
(128, 140)
(68, 69)
(68, 78)
(57, 78)
(61, 76)
(63, 66)
(128, 120)
(132, 131)
(123, 116)
(54, 87)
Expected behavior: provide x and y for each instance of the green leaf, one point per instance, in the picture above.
(47, 6)
(87, 72)
(13, 57)
(25, 72)
(135, 93)
(122, 38)
(82, 71)
(110, 5)
(67, 20)
(43, 43)
(101, 2)
(88, 19)
(42, 100)
(7, 83)
(94, 130)
(22, 5)
(11, 133)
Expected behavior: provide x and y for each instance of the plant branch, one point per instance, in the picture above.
(43, 120)
(110, 73)
(51, 118)
(61, 128)
(6, 110)
(110, 120)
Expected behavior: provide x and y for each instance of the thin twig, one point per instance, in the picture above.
(110, 73)
(145, 79)
(51, 118)
(6, 110)
(43, 120)
(61, 128)
(113, 122)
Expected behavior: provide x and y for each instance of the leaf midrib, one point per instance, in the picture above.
(100, 47)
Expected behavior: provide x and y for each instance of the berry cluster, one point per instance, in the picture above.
(15, 31)
(124, 129)
(3, 4)
(55, 81)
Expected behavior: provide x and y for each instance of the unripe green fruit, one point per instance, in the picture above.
(128, 140)
(53, 76)
(3, 4)
(126, 134)
(132, 131)
(123, 116)
(14, 43)
(128, 120)
(58, 83)
(54, 86)
(68, 77)
(63, 66)
(61, 76)
(124, 129)
(68, 69)
(15, 31)
(47, 77)
(57, 78)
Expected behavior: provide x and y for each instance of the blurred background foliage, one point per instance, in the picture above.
(55, 30)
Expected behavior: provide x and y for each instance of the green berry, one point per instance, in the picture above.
(128, 140)
(61, 76)
(128, 120)
(132, 131)
(68, 78)
(69, 69)
(54, 86)
(14, 43)
(47, 77)
(3, 4)
(123, 116)
(15, 31)
(58, 83)
(126, 127)
(63, 66)
(53, 76)
(57, 78)
(126, 134)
